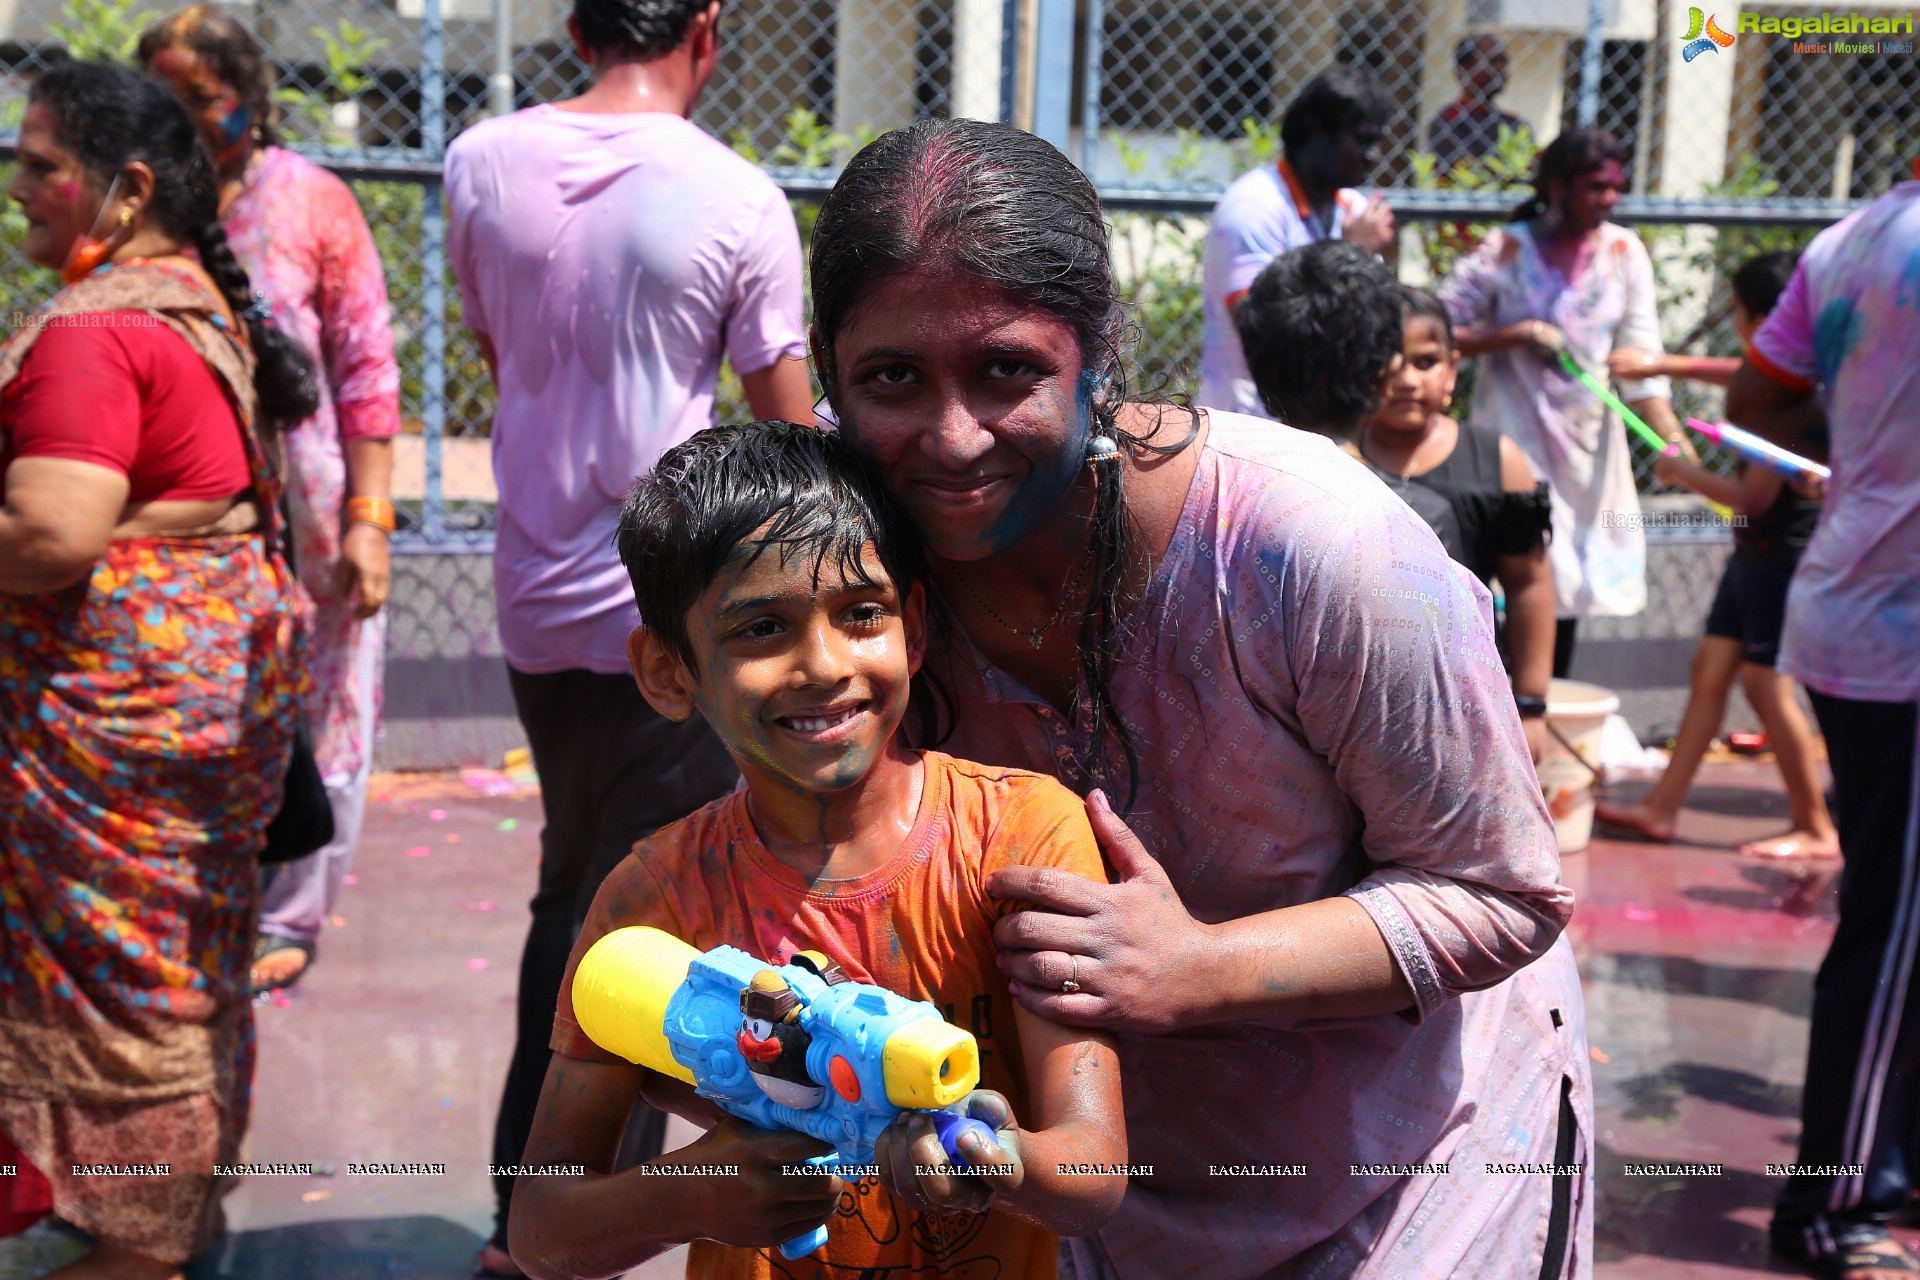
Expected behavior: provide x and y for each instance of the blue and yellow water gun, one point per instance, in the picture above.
(798, 1047)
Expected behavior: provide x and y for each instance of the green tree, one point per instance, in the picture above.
(101, 30)
(344, 58)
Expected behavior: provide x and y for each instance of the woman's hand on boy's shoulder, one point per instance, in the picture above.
(916, 1168)
(771, 1200)
(1125, 956)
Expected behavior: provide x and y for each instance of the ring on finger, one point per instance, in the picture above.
(1072, 983)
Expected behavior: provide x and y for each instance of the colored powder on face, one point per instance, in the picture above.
(232, 125)
(1042, 490)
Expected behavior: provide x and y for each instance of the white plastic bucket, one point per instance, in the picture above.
(1576, 714)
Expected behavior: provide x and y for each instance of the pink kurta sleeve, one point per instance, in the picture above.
(356, 332)
(1384, 664)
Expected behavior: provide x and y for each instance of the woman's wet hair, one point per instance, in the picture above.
(758, 487)
(1573, 153)
(1319, 326)
(1003, 207)
(110, 116)
(229, 51)
(979, 199)
(1761, 280)
(637, 28)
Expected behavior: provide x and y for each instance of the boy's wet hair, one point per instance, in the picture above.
(1424, 304)
(709, 497)
(1760, 281)
(1319, 326)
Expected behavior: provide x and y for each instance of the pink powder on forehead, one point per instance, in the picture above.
(945, 173)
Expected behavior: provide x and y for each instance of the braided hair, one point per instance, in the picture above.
(109, 116)
(1006, 208)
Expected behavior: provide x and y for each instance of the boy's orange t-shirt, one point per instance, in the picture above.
(922, 926)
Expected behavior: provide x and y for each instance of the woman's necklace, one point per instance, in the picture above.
(1036, 637)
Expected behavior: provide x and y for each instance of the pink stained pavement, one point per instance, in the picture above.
(1698, 968)
(393, 1049)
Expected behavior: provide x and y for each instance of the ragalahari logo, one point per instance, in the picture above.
(1712, 41)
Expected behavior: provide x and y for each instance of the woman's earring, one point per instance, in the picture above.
(1101, 448)
(126, 216)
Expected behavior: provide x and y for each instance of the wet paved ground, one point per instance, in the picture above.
(1698, 963)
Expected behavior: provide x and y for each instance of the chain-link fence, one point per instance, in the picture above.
(1749, 129)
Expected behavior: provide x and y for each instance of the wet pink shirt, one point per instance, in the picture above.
(613, 260)
(1312, 688)
(1849, 323)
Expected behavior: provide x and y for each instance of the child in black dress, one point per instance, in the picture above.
(1743, 625)
(1500, 512)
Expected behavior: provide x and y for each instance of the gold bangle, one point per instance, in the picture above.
(377, 512)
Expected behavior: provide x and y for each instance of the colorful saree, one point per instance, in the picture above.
(146, 716)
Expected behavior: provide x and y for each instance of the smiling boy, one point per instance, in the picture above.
(783, 603)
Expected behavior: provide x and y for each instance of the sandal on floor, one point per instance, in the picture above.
(268, 944)
(1835, 1266)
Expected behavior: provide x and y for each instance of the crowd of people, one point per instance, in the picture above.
(1181, 745)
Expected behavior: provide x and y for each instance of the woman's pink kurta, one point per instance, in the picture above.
(1312, 688)
(299, 232)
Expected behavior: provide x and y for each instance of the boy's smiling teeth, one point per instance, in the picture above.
(821, 723)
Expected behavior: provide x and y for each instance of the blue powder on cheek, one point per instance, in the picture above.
(1042, 490)
(236, 126)
(1836, 333)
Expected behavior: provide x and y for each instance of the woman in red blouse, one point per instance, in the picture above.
(149, 674)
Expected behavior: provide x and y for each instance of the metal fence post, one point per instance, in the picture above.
(1009, 56)
(1053, 71)
(501, 85)
(1090, 87)
(1591, 64)
(433, 268)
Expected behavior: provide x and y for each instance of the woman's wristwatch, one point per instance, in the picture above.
(377, 512)
(1532, 706)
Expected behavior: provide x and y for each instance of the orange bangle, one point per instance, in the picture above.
(377, 512)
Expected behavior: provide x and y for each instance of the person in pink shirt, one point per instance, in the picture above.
(610, 255)
(301, 236)
(1351, 1034)
(1842, 348)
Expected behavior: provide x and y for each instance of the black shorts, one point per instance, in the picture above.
(1751, 606)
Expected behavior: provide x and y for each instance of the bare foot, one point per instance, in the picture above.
(1651, 823)
(110, 1261)
(1797, 843)
(496, 1261)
